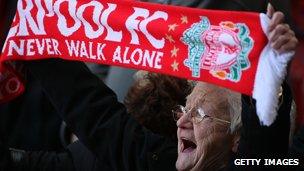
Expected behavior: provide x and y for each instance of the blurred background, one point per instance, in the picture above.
(296, 73)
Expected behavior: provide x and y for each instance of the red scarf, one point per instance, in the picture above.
(219, 47)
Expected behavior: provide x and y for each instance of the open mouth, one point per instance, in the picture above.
(188, 145)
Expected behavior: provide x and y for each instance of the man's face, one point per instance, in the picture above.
(198, 141)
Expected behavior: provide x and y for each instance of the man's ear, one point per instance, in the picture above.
(235, 143)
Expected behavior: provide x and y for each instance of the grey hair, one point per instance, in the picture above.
(235, 111)
(233, 100)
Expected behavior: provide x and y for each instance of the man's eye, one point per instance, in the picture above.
(206, 117)
(201, 111)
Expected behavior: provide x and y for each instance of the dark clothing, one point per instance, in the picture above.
(101, 123)
(269, 142)
(7, 12)
(297, 148)
(28, 122)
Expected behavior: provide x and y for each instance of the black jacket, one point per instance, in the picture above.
(100, 122)
(30, 121)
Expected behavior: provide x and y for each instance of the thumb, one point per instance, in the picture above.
(270, 10)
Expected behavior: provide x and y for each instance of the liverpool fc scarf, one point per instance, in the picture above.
(225, 48)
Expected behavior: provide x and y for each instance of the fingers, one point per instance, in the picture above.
(279, 30)
(283, 39)
(289, 46)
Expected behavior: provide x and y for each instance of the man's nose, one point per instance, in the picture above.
(184, 122)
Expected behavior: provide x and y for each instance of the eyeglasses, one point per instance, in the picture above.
(196, 114)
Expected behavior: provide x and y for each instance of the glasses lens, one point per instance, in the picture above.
(198, 115)
(178, 112)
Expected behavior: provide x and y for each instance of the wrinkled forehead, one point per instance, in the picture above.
(209, 97)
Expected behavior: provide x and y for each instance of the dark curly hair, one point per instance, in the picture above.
(151, 99)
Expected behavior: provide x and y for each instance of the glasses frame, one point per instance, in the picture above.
(196, 117)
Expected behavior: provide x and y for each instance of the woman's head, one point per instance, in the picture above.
(151, 99)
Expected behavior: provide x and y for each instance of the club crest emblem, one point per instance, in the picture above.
(222, 49)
